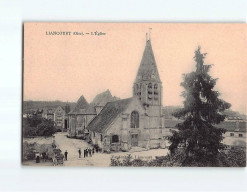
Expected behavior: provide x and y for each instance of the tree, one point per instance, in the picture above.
(34, 121)
(37, 127)
(202, 110)
(27, 129)
(46, 128)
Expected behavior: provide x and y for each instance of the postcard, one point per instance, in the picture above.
(134, 94)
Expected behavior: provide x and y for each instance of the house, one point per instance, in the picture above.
(48, 113)
(59, 115)
(235, 134)
(136, 121)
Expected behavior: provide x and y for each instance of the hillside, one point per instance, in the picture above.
(34, 105)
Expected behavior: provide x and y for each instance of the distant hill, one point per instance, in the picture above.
(29, 106)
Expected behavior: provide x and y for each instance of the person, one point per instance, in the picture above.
(93, 151)
(37, 158)
(66, 154)
(54, 159)
(90, 152)
(79, 151)
(84, 153)
(44, 156)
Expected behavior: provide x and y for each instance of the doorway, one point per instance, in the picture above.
(65, 123)
(134, 139)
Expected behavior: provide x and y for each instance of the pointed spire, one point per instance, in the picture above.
(148, 69)
(150, 29)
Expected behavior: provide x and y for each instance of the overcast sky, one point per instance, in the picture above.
(64, 67)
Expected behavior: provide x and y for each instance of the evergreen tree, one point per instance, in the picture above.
(197, 135)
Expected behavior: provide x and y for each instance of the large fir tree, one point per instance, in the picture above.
(197, 135)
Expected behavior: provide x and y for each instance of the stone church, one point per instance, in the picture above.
(84, 113)
(136, 121)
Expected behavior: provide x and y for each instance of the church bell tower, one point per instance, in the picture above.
(148, 86)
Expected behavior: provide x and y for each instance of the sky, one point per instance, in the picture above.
(64, 67)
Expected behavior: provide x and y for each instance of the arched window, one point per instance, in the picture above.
(134, 123)
(150, 86)
(115, 139)
(156, 92)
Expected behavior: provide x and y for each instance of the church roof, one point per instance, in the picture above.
(103, 98)
(91, 110)
(148, 69)
(111, 110)
(81, 106)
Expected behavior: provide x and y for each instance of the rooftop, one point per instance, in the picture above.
(108, 115)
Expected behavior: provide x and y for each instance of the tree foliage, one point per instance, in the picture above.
(202, 110)
(36, 126)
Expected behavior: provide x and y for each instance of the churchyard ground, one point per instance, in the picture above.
(98, 159)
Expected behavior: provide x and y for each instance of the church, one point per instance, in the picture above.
(136, 121)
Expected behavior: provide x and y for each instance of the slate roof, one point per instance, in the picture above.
(111, 110)
(232, 125)
(81, 106)
(58, 108)
(91, 110)
(148, 66)
(103, 98)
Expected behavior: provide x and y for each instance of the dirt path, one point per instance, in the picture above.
(98, 159)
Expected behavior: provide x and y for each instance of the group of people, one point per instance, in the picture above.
(43, 156)
(88, 152)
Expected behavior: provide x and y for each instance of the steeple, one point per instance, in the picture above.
(147, 85)
(148, 69)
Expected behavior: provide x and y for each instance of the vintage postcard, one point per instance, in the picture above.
(134, 94)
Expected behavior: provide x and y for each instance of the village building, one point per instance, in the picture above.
(137, 121)
(235, 134)
(48, 113)
(84, 113)
(59, 115)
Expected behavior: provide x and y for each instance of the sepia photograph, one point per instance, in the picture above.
(134, 94)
